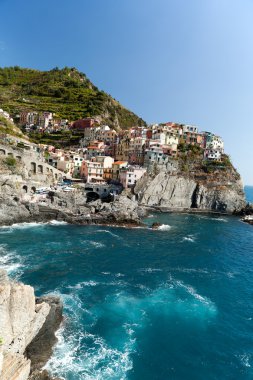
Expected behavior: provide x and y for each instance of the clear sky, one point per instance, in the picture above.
(189, 61)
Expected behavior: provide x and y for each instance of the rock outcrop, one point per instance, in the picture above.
(179, 192)
(21, 321)
(40, 349)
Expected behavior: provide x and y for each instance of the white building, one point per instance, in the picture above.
(155, 155)
(212, 154)
(190, 128)
(215, 142)
(129, 176)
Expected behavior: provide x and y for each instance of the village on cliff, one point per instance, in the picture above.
(106, 156)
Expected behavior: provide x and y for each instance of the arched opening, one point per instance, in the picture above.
(33, 167)
(55, 176)
(92, 196)
(33, 189)
(40, 169)
(10, 154)
(2, 152)
(18, 158)
(25, 188)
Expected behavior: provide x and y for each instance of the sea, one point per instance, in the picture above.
(142, 304)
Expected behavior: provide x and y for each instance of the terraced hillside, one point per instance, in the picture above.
(68, 93)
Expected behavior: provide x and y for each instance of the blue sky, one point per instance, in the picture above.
(189, 61)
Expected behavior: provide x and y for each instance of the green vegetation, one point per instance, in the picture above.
(7, 127)
(67, 93)
(58, 139)
(212, 166)
(10, 161)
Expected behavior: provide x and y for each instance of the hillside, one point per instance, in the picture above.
(66, 92)
(7, 127)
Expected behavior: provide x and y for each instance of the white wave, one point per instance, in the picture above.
(82, 284)
(189, 238)
(106, 273)
(22, 226)
(119, 275)
(245, 359)
(230, 274)
(216, 219)
(89, 357)
(9, 261)
(96, 244)
(110, 233)
(190, 270)
(57, 222)
(149, 270)
(164, 227)
(189, 289)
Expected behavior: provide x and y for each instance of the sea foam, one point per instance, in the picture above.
(164, 227)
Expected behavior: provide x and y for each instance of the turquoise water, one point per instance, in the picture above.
(249, 193)
(140, 304)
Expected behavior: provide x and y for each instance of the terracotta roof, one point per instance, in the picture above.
(120, 162)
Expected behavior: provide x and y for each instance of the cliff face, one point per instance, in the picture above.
(21, 320)
(177, 192)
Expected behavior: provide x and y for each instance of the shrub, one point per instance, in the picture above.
(10, 161)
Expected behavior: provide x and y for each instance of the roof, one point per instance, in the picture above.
(120, 162)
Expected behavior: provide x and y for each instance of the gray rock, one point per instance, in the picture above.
(178, 192)
(41, 347)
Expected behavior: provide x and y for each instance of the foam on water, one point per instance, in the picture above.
(10, 261)
(150, 270)
(164, 227)
(110, 233)
(20, 226)
(191, 270)
(81, 352)
(189, 238)
(86, 355)
(94, 360)
(189, 289)
(97, 244)
(57, 222)
(245, 359)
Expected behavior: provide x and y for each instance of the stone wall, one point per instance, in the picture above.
(36, 168)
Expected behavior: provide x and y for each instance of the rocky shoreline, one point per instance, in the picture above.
(34, 321)
(27, 328)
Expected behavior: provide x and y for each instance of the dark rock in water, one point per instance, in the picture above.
(41, 347)
(247, 210)
(155, 226)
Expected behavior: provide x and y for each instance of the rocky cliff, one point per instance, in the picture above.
(21, 320)
(207, 192)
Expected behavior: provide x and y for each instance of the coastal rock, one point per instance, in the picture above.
(121, 210)
(177, 192)
(40, 349)
(20, 318)
(27, 327)
(42, 375)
